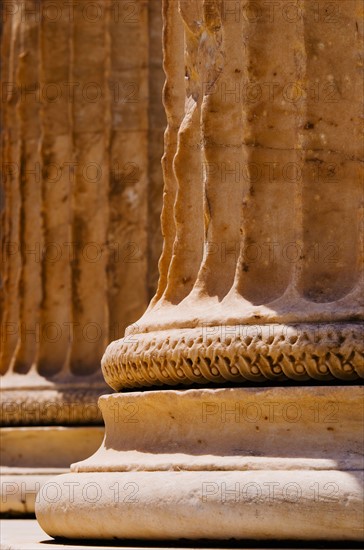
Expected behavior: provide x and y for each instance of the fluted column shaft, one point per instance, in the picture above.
(254, 185)
(261, 274)
(79, 94)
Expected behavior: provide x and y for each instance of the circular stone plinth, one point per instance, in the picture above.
(294, 505)
(244, 463)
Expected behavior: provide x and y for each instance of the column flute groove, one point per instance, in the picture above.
(234, 316)
(252, 349)
(76, 196)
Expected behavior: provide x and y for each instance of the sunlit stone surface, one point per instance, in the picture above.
(258, 297)
(82, 128)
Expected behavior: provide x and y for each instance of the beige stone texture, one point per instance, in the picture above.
(82, 135)
(244, 463)
(81, 194)
(27, 535)
(169, 506)
(32, 456)
(261, 276)
(258, 310)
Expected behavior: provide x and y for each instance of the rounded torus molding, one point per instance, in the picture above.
(224, 463)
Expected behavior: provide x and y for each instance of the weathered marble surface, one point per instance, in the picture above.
(244, 463)
(33, 455)
(80, 201)
(222, 315)
(261, 276)
(81, 193)
(27, 535)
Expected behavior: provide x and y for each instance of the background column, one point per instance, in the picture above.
(82, 140)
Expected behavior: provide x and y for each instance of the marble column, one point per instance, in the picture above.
(82, 136)
(258, 283)
(256, 320)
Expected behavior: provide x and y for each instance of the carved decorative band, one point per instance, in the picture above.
(41, 407)
(266, 353)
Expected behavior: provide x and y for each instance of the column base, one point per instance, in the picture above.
(32, 400)
(32, 456)
(236, 354)
(204, 505)
(265, 464)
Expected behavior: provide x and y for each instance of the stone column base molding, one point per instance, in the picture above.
(37, 402)
(236, 354)
(244, 463)
(32, 456)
